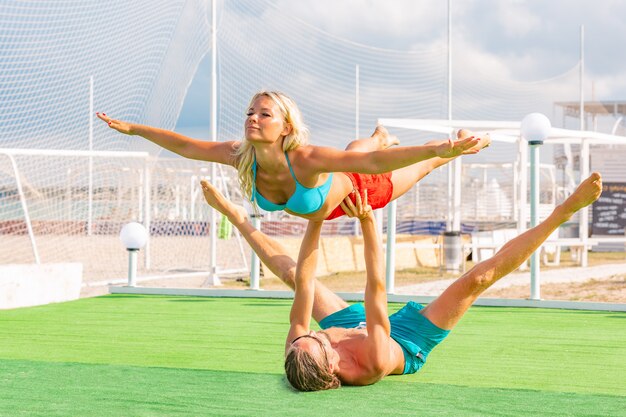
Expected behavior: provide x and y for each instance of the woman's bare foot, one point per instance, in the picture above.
(380, 139)
(236, 214)
(385, 140)
(587, 192)
(464, 133)
(485, 140)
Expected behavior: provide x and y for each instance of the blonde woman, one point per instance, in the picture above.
(279, 170)
(360, 344)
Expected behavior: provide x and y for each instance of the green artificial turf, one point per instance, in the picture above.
(127, 355)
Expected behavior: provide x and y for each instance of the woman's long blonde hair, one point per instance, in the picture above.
(299, 136)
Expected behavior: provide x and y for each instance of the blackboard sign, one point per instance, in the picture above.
(609, 212)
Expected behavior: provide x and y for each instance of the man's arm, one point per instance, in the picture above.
(376, 316)
(302, 307)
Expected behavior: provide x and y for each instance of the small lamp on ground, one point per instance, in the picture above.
(535, 129)
(134, 236)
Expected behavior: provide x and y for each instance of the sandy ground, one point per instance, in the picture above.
(607, 290)
(602, 283)
(106, 262)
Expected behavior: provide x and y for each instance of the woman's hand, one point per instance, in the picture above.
(120, 126)
(362, 210)
(450, 149)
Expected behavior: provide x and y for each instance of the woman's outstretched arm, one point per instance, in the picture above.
(323, 159)
(220, 152)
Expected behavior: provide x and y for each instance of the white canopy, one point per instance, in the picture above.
(509, 131)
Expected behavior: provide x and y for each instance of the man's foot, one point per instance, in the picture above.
(236, 214)
(385, 140)
(587, 192)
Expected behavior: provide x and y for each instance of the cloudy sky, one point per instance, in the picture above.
(528, 40)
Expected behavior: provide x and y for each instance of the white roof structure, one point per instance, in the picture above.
(502, 130)
(509, 132)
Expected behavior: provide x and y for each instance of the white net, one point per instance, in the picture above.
(142, 56)
(343, 88)
(62, 62)
(60, 217)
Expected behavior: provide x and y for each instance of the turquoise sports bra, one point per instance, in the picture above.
(303, 201)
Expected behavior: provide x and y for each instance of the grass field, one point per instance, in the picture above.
(127, 355)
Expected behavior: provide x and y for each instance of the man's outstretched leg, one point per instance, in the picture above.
(271, 252)
(449, 307)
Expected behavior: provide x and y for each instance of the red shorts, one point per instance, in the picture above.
(379, 190)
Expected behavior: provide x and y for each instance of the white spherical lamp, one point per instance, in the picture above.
(535, 127)
(134, 236)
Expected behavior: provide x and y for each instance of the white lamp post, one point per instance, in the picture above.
(134, 236)
(255, 262)
(535, 128)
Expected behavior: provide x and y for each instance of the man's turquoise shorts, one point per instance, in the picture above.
(415, 334)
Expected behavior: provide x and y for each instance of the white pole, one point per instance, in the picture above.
(147, 215)
(581, 78)
(255, 264)
(213, 278)
(140, 199)
(90, 192)
(29, 225)
(391, 247)
(534, 217)
(132, 267)
(523, 185)
(357, 99)
(456, 203)
(450, 198)
(450, 194)
(515, 192)
(583, 219)
(583, 226)
(458, 168)
(449, 60)
(522, 149)
(452, 240)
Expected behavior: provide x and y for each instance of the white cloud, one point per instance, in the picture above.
(372, 22)
(504, 44)
(515, 18)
